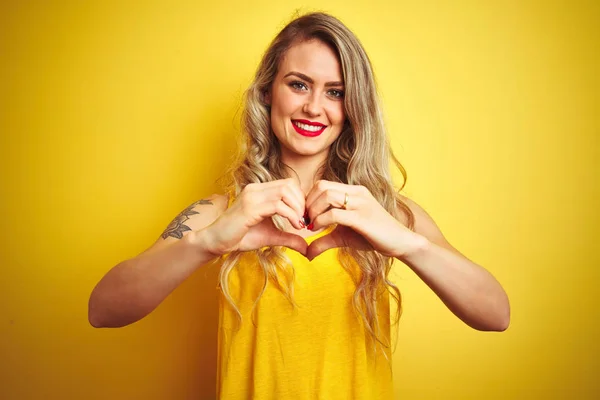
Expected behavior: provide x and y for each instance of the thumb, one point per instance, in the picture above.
(323, 244)
(291, 241)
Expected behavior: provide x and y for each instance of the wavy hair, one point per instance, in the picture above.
(361, 155)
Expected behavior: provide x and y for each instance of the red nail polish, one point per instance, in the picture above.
(306, 218)
(302, 224)
(310, 226)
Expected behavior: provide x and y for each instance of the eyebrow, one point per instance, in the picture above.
(309, 80)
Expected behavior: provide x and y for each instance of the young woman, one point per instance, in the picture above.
(306, 233)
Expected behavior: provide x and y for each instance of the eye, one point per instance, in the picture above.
(337, 93)
(298, 85)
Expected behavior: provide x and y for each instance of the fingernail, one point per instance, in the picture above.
(302, 224)
(306, 218)
(311, 226)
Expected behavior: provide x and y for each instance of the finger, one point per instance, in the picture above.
(316, 190)
(295, 187)
(281, 208)
(261, 207)
(293, 195)
(289, 197)
(341, 236)
(291, 241)
(292, 190)
(281, 188)
(327, 199)
(323, 244)
(334, 216)
(321, 186)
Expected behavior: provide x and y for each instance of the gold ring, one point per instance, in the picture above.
(345, 202)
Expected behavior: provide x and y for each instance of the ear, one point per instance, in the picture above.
(267, 97)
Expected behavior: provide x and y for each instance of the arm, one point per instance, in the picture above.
(467, 289)
(135, 287)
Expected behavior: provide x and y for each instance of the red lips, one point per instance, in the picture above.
(304, 121)
(306, 133)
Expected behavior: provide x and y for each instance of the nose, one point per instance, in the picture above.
(313, 105)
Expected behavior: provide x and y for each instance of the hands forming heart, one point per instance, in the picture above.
(361, 222)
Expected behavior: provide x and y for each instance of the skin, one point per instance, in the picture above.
(177, 227)
(467, 289)
(293, 96)
(209, 228)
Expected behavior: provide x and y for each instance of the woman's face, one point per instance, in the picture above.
(307, 100)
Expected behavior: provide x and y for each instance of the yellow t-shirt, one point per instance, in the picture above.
(317, 350)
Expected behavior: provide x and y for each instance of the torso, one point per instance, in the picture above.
(317, 349)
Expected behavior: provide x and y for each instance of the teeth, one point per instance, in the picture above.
(309, 128)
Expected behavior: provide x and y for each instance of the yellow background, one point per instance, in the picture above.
(114, 117)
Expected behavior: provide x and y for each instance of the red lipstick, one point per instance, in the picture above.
(308, 133)
(307, 122)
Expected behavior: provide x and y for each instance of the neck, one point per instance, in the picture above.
(305, 168)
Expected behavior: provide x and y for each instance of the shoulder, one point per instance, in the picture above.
(425, 225)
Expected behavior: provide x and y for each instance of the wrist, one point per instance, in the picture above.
(203, 242)
(417, 245)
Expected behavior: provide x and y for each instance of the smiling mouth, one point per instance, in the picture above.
(308, 130)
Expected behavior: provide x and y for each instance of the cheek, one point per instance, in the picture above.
(284, 102)
(338, 116)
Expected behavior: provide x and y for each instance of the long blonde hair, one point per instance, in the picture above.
(361, 155)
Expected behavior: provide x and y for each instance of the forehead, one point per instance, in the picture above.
(314, 59)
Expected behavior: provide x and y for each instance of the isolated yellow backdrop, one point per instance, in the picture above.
(115, 117)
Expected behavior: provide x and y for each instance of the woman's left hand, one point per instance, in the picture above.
(361, 223)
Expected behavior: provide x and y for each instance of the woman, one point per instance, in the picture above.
(307, 235)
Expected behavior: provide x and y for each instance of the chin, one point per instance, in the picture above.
(305, 151)
(309, 153)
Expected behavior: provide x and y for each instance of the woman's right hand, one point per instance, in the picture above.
(247, 224)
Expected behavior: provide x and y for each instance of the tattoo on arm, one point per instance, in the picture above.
(177, 226)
